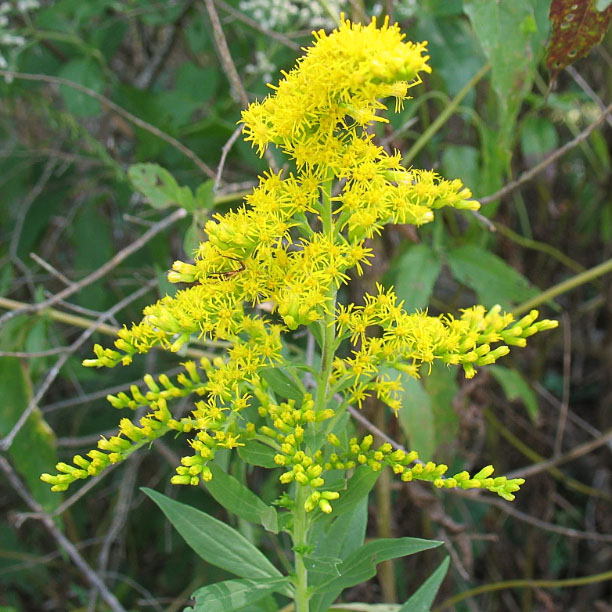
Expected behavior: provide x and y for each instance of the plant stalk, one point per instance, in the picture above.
(329, 331)
(300, 518)
(300, 539)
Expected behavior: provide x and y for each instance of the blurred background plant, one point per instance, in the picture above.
(99, 97)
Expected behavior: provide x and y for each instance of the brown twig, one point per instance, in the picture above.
(84, 441)
(256, 26)
(108, 330)
(149, 73)
(560, 152)
(224, 151)
(373, 429)
(102, 393)
(179, 213)
(225, 56)
(119, 517)
(35, 354)
(567, 362)
(588, 90)
(59, 537)
(573, 417)
(28, 201)
(228, 65)
(532, 520)
(82, 491)
(577, 451)
(7, 441)
(49, 268)
(116, 108)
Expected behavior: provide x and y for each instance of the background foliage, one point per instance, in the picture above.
(83, 197)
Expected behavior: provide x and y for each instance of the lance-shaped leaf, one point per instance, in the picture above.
(235, 594)
(214, 541)
(361, 566)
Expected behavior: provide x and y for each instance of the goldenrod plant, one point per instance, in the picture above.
(276, 265)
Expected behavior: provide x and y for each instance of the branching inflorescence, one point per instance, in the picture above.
(292, 245)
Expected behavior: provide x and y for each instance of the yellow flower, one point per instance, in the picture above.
(286, 252)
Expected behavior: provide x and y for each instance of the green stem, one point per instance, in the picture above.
(329, 331)
(326, 204)
(300, 539)
(571, 283)
(444, 115)
(539, 246)
(300, 518)
(526, 584)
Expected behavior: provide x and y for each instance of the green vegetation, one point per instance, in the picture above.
(121, 153)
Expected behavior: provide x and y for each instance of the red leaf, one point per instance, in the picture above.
(577, 26)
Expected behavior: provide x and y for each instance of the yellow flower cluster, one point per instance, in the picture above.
(362, 453)
(215, 420)
(339, 82)
(291, 246)
(410, 340)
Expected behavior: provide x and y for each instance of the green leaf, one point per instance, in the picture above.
(198, 35)
(256, 453)
(214, 541)
(361, 566)
(493, 280)
(161, 13)
(205, 195)
(441, 386)
(321, 567)
(343, 537)
(456, 55)
(192, 238)
(6, 277)
(512, 36)
(282, 384)
(86, 72)
(444, 8)
(267, 604)
(461, 161)
(516, 388)
(414, 276)
(33, 449)
(538, 136)
(423, 598)
(160, 187)
(92, 236)
(359, 486)
(235, 594)
(197, 83)
(495, 158)
(236, 498)
(164, 286)
(602, 151)
(416, 417)
(365, 607)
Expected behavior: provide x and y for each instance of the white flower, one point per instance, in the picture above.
(11, 39)
(27, 5)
